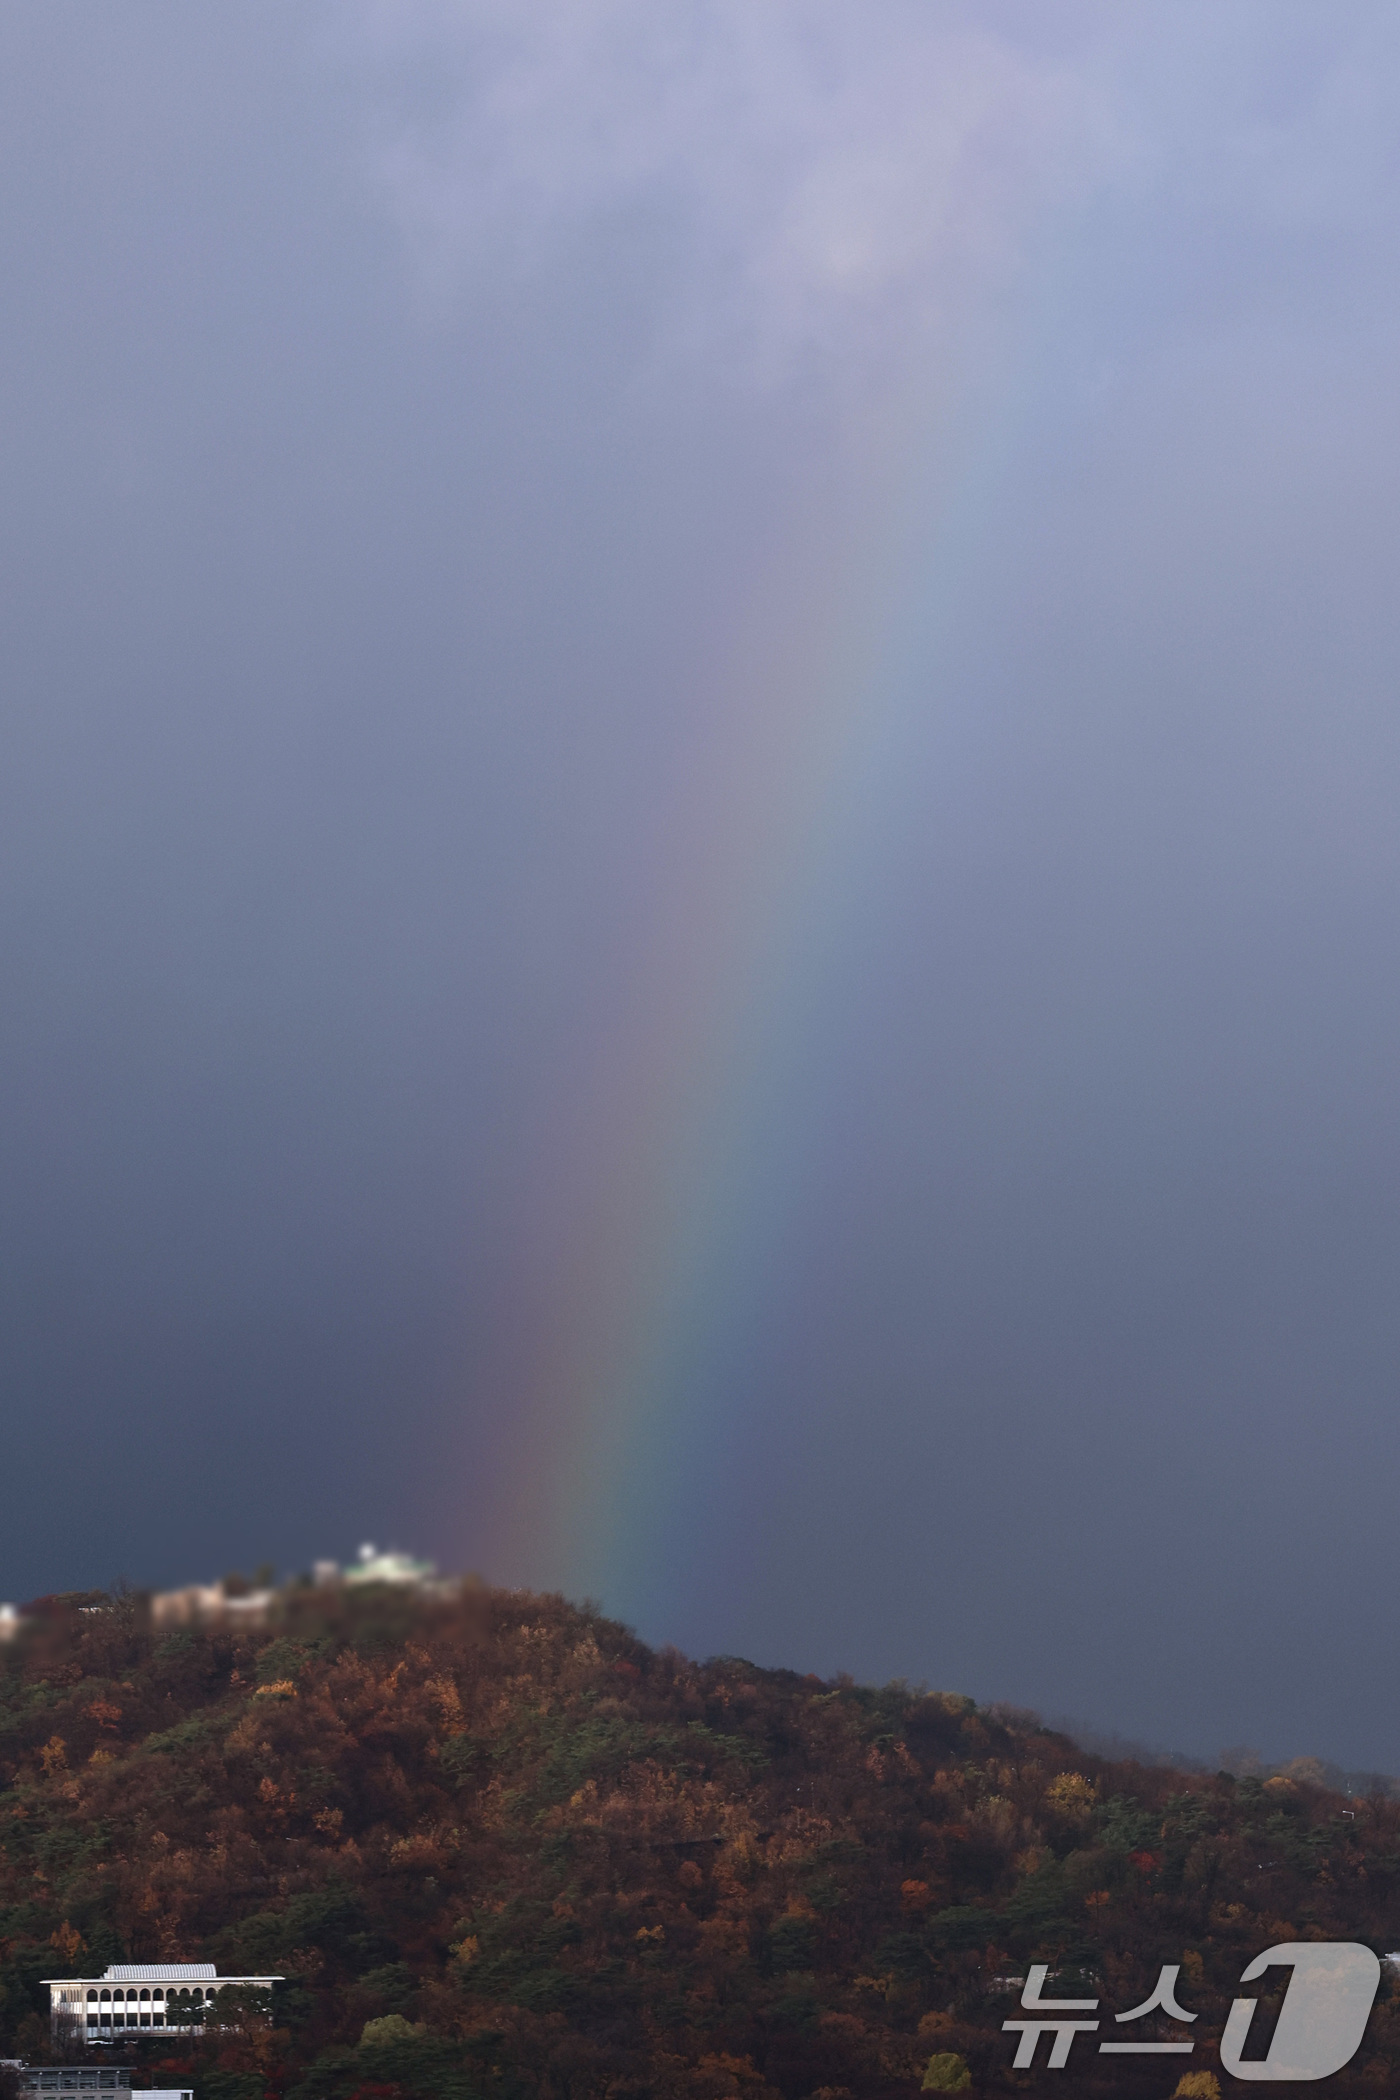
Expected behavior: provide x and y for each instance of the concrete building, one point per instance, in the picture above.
(143, 1995)
(209, 1604)
(68, 2083)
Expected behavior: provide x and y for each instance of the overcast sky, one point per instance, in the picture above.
(698, 825)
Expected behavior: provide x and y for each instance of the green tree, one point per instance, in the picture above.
(946, 2073)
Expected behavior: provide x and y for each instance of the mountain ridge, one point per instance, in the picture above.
(497, 1845)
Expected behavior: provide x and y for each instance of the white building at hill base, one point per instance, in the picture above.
(175, 1996)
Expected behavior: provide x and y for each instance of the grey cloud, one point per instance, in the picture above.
(387, 497)
(832, 187)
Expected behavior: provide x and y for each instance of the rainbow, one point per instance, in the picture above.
(646, 1204)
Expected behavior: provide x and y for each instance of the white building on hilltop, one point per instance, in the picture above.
(399, 1569)
(210, 1604)
(171, 1995)
(213, 1604)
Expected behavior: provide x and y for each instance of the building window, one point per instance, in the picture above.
(92, 1997)
(158, 2019)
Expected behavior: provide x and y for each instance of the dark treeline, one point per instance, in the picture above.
(498, 1847)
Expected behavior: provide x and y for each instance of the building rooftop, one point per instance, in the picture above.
(71, 2078)
(161, 1972)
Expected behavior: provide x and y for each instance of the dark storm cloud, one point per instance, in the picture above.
(397, 404)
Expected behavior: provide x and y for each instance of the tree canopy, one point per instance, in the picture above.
(499, 1847)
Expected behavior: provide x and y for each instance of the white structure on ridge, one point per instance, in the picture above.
(401, 1569)
(172, 1995)
(211, 1604)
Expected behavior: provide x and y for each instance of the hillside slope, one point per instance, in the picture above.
(500, 1847)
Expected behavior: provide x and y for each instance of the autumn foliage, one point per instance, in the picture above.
(499, 1847)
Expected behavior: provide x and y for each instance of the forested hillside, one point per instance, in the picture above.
(500, 1847)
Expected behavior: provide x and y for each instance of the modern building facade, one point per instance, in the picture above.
(144, 1995)
(66, 2083)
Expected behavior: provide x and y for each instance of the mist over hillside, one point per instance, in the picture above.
(1241, 1760)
